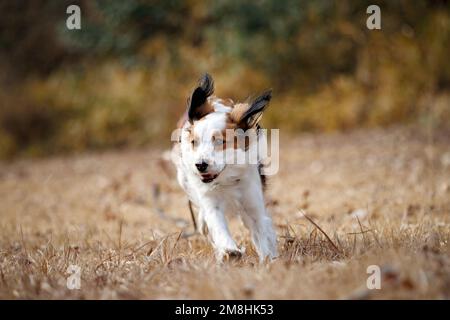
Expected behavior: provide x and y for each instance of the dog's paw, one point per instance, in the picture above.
(233, 254)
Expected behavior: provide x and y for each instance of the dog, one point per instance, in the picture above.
(217, 186)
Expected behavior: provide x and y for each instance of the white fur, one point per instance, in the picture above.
(237, 189)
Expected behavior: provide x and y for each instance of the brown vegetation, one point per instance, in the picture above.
(381, 196)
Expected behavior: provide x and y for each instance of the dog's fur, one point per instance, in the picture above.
(221, 187)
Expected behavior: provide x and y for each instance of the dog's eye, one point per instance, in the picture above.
(194, 143)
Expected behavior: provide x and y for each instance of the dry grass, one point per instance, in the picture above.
(381, 196)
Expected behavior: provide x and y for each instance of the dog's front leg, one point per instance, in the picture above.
(258, 221)
(213, 213)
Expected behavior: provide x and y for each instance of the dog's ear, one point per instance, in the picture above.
(197, 106)
(251, 114)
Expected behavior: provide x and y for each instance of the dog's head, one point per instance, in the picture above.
(213, 128)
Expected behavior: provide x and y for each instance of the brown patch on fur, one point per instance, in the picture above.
(229, 142)
(234, 123)
(236, 114)
(230, 124)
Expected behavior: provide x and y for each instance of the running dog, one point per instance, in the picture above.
(212, 132)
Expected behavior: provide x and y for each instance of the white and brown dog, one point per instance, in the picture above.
(217, 185)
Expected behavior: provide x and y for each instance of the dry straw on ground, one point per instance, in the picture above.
(370, 197)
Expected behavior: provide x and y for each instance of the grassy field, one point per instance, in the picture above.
(381, 196)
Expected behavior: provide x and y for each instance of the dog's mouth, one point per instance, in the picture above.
(208, 177)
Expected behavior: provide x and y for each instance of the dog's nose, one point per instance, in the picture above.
(202, 166)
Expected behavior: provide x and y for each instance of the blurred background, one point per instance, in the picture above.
(123, 79)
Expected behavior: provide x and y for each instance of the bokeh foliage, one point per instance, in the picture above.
(123, 79)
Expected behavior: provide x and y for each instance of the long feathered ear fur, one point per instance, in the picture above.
(253, 114)
(197, 106)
